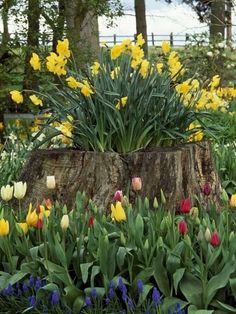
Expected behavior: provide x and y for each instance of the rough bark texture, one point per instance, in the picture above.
(217, 23)
(179, 171)
(141, 24)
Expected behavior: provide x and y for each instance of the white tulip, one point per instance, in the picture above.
(65, 222)
(7, 192)
(51, 182)
(20, 190)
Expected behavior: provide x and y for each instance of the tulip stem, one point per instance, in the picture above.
(19, 213)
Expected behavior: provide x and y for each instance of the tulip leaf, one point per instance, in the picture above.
(142, 296)
(232, 282)
(120, 256)
(84, 270)
(78, 304)
(178, 275)
(169, 304)
(191, 287)
(160, 274)
(219, 281)
(95, 271)
(71, 293)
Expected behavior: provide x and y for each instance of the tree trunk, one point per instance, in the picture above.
(179, 171)
(217, 19)
(30, 79)
(228, 20)
(141, 25)
(82, 31)
(59, 29)
(5, 34)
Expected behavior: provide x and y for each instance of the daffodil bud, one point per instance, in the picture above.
(155, 203)
(6, 192)
(65, 222)
(51, 182)
(208, 235)
(20, 190)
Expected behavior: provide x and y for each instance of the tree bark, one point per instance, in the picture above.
(141, 24)
(82, 31)
(30, 79)
(5, 34)
(217, 19)
(179, 171)
(228, 20)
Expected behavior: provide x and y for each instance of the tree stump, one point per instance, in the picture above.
(180, 171)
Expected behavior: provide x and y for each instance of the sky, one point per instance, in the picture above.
(162, 18)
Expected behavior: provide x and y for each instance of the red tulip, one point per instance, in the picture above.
(206, 189)
(39, 224)
(183, 228)
(215, 239)
(91, 221)
(118, 196)
(185, 206)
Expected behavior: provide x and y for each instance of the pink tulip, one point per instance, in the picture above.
(136, 183)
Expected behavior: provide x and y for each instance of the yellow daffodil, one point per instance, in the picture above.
(24, 227)
(197, 136)
(35, 62)
(56, 63)
(72, 83)
(159, 67)
(137, 53)
(116, 51)
(115, 72)
(36, 100)
(126, 45)
(16, 96)
(144, 68)
(215, 81)
(63, 48)
(6, 192)
(165, 47)
(121, 102)
(117, 212)
(86, 89)
(95, 68)
(183, 88)
(140, 40)
(232, 202)
(4, 227)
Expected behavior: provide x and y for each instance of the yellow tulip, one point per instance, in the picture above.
(24, 226)
(117, 212)
(4, 227)
(6, 192)
(20, 190)
(232, 202)
(32, 217)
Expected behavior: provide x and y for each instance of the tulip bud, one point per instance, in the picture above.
(200, 235)
(163, 224)
(215, 239)
(160, 242)
(146, 203)
(146, 245)
(51, 182)
(23, 227)
(231, 236)
(122, 239)
(204, 222)
(20, 190)
(208, 235)
(65, 222)
(185, 206)
(118, 196)
(168, 220)
(4, 227)
(224, 196)
(163, 198)
(106, 240)
(125, 201)
(6, 192)
(136, 183)
(183, 228)
(155, 203)
(187, 239)
(232, 202)
(194, 212)
(197, 220)
(206, 189)
(213, 224)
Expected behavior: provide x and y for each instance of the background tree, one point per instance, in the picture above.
(141, 24)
